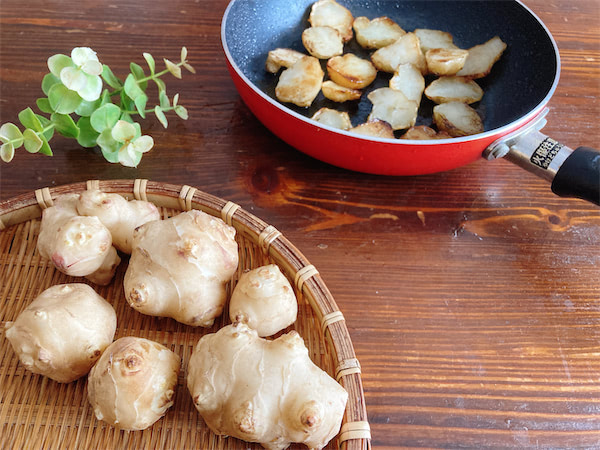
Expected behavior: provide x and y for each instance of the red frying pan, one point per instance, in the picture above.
(516, 92)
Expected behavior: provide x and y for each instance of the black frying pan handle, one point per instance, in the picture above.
(579, 176)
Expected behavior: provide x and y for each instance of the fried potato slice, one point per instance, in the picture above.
(282, 57)
(376, 33)
(445, 61)
(333, 118)
(430, 39)
(424, 133)
(322, 42)
(393, 107)
(407, 49)
(329, 13)
(409, 80)
(454, 89)
(351, 71)
(300, 83)
(482, 57)
(374, 128)
(457, 119)
(340, 94)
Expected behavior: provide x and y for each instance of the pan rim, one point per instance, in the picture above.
(486, 135)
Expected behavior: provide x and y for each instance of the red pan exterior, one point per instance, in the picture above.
(367, 154)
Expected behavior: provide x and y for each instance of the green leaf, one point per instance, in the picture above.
(64, 124)
(105, 97)
(183, 54)
(126, 117)
(138, 73)
(48, 81)
(49, 129)
(32, 141)
(110, 78)
(56, 63)
(9, 132)
(164, 100)
(45, 150)
(126, 103)
(173, 68)
(43, 105)
(181, 112)
(160, 84)
(63, 100)
(189, 68)
(109, 147)
(131, 87)
(30, 120)
(7, 152)
(105, 117)
(160, 115)
(85, 108)
(87, 135)
(140, 104)
(150, 61)
(175, 99)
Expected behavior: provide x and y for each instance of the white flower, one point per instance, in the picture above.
(130, 152)
(84, 75)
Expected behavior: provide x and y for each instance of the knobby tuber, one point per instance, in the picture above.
(266, 391)
(63, 331)
(76, 245)
(180, 266)
(264, 300)
(133, 383)
(117, 214)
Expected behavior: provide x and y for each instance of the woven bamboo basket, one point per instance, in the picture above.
(38, 413)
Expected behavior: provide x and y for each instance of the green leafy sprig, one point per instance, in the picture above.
(78, 106)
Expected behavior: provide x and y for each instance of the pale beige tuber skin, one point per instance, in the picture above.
(179, 268)
(77, 245)
(117, 214)
(63, 332)
(263, 299)
(133, 383)
(265, 391)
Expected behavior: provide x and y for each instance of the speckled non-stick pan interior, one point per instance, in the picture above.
(524, 77)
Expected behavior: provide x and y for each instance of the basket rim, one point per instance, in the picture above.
(355, 430)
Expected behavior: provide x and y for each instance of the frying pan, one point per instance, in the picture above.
(516, 92)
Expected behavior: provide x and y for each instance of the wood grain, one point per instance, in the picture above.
(472, 296)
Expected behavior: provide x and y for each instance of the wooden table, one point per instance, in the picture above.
(472, 296)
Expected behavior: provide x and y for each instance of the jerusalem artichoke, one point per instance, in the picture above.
(63, 331)
(264, 299)
(179, 268)
(264, 391)
(133, 383)
(117, 214)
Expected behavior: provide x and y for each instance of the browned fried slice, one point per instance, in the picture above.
(405, 50)
(393, 107)
(329, 13)
(340, 94)
(374, 128)
(282, 57)
(424, 133)
(454, 89)
(322, 42)
(333, 118)
(445, 61)
(482, 57)
(457, 119)
(300, 83)
(409, 80)
(376, 33)
(434, 39)
(351, 71)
